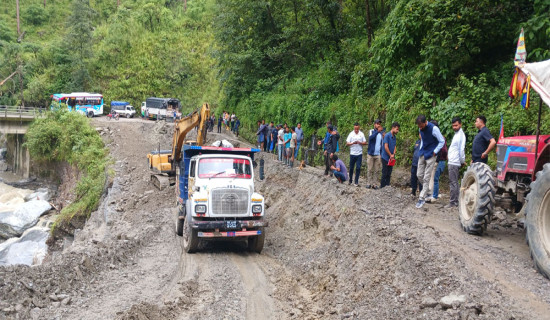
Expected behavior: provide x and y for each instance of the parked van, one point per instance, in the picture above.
(123, 108)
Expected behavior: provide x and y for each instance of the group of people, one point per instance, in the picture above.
(283, 139)
(230, 121)
(430, 156)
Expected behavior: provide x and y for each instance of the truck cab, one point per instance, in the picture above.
(216, 197)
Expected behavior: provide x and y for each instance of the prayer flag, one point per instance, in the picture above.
(521, 53)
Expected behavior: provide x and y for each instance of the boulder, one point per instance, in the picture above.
(39, 194)
(14, 223)
(30, 249)
(452, 300)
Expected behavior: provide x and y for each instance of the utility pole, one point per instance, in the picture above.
(17, 9)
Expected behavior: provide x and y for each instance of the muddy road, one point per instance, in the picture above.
(332, 252)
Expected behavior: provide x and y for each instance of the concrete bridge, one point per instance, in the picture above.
(14, 122)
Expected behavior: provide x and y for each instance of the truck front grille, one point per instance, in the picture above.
(230, 202)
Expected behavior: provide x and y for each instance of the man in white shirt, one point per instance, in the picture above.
(280, 142)
(456, 159)
(356, 140)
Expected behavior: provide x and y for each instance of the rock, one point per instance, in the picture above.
(39, 194)
(30, 249)
(452, 300)
(13, 224)
(53, 297)
(428, 302)
(56, 304)
(66, 301)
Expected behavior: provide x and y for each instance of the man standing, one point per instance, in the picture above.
(325, 143)
(339, 169)
(432, 142)
(287, 137)
(293, 143)
(268, 136)
(456, 157)
(374, 162)
(441, 161)
(233, 122)
(356, 140)
(299, 138)
(280, 143)
(390, 146)
(483, 141)
(274, 133)
(220, 118)
(261, 134)
(237, 125)
(332, 145)
(414, 168)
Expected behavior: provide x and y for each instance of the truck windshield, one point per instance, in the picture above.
(230, 168)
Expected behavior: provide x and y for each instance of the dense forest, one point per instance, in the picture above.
(288, 60)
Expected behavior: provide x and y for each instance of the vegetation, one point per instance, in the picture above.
(63, 136)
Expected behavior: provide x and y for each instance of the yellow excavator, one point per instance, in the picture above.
(163, 163)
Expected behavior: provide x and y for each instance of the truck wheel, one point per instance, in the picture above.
(127, 116)
(256, 243)
(90, 114)
(179, 222)
(190, 237)
(537, 221)
(477, 198)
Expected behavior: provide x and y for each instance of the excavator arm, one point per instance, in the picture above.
(163, 162)
(183, 126)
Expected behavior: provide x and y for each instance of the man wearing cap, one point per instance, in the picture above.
(356, 140)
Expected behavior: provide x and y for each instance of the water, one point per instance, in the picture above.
(30, 248)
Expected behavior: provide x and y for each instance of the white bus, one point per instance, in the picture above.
(89, 104)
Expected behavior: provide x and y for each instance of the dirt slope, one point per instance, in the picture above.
(332, 252)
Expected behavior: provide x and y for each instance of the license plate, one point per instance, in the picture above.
(232, 224)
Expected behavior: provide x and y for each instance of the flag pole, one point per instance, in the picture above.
(538, 133)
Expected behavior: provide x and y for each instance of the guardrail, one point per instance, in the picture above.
(22, 113)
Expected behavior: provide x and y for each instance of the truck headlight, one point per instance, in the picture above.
(256, 208)
(200, 208)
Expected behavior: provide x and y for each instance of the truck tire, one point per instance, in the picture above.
(537, 221)
(477, 198)
(179, 222)
(256, 243)
(190, 237)
(127, 116)
(90, 114)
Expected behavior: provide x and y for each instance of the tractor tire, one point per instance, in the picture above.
(256, 243)
(190, 237)
(477, 198)
(179, 222)
(537, 221)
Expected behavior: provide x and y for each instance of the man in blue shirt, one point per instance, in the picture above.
(300, 137)
(431, 142)
(388, 153)
(325, 142)
(483, 141)
(374, 163)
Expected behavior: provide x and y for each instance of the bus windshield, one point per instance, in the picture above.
(225, 168)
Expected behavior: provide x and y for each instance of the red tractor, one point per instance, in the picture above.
(521, 182)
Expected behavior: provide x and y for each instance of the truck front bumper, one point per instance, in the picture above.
(228, 228)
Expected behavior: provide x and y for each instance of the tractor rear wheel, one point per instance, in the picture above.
(537, 221)
(477, 198)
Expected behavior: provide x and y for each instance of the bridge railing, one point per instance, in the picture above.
(17, 112)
